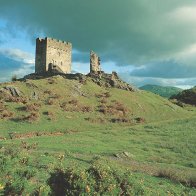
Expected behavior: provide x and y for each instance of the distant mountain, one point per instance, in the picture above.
(186, 96)
(164, 91)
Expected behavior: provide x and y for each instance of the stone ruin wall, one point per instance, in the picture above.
(94, 62)
(53, 54)
(40, 60)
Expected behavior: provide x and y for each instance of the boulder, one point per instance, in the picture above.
(13, 91)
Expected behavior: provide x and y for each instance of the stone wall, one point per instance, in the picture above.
(94, 62)
(40, 60)
(52, 54)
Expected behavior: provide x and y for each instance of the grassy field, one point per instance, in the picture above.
(88, 139)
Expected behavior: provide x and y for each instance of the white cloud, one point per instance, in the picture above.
(185, 14)
(23, 70)
(184, 83)
(18, 55)
(80, 67)
(187, 56)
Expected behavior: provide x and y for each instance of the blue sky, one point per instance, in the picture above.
(147, 41)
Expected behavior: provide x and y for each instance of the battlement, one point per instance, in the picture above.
(53, 41)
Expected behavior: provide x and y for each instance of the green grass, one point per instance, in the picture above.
(161, 150)
(164, 91)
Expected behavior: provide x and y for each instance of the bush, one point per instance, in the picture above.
(50, 101)
(14, 78)
(140, 120)
(33, 116)
(32, 107)
(99, 179)
(177, 177)
(2, 106)
(50, 114)
(116, 108)
(6, 114)
(74, 106)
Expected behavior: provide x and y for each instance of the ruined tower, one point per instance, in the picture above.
(53, 55)
(94, 62)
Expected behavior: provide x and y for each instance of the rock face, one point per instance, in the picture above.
(94, 62)
(110, 80)
(99, 77)
(13, 91)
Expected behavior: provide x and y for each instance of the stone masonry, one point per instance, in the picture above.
(94, 62)
(53, 55)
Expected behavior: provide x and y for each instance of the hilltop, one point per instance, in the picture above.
(72, 99)
(164, 91)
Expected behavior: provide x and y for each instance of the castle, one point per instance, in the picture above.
(56, 56)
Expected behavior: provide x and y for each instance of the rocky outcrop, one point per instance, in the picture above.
(12, 90)
(99, 77)
(110, 80)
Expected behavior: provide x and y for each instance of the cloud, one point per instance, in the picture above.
(165, 69)
(158, 38)
(23, 70)
(184, 83)
(185, 14)
(18, 55)
(125, 31)
(15, 62)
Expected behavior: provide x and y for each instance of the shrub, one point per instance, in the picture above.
(6, 114)
(2, 106)
(103, 100)
(49, 92)
(15, 188)
(115, 108)
(9, 98)
(120, 120)
(50, 101)
(177, 177)
(50, 114)
(74, 106)
(14, 78)
(98, 179)
(103, 95)
(33, 116)
(32, 107)
(140, 120)
(86, 109)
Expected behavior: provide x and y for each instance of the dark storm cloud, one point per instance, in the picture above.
(128, 31)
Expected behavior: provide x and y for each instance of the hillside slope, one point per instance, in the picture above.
(57, 103)
(187, 96)
(164, 91)
(61, 136)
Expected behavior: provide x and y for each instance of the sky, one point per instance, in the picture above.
(145, 41)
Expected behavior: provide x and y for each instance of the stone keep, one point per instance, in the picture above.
(94, 62)
(53, 55)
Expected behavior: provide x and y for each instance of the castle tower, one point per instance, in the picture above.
(53, 55)
(94, 62)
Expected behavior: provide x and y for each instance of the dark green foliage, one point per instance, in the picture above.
(164, 91)
(186, 96)
(100, 179)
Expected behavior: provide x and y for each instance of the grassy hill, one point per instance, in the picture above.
(186, 96)
(70, 136)
(164, 91)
